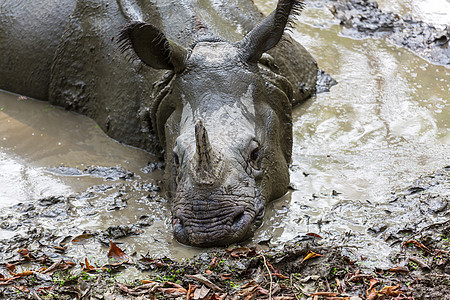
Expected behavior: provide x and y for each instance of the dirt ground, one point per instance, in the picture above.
(306, 270)
(37, 266)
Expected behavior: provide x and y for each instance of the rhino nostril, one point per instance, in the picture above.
(238, 218)
(177, 221)
(260, 214)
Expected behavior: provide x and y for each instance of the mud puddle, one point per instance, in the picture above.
(384, 126)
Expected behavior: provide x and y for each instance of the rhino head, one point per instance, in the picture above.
(224, 120)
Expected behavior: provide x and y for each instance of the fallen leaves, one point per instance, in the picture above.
(391, 290)
(88, 268)
(314, 235)
(399, 269)
(242, 252)
(417, 244)
(237, 273)
(205, 281)
(10, 267)
(117, 254)
(82, 238)
(310, 255)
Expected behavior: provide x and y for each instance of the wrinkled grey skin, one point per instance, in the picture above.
(199, 87)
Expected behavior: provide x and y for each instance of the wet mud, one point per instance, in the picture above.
(367, 176)
(45, 262)
(363, 18)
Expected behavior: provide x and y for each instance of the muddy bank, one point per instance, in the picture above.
(40, 262)
(301, 270)
(363, 18)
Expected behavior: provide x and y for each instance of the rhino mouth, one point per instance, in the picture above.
(216, 221)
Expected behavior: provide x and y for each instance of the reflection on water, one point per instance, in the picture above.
(35, 135)
(385, 124)
(382, 126)
(434, 12)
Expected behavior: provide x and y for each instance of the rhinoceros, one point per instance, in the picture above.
(206, 83)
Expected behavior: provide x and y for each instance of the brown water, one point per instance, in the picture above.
(385, 124)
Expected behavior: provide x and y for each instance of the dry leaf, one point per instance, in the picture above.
(214, 263)
(22, 288)
(391, 290)
(373, 282)
(399, 269)
(176, 285)
(146, 281)
(226, 276)
(417, 244)
(340, 285)
(117, 253)
(239, 252)
(372, 295)
(314, 235)
(206, 282)
(6, 281)
(420, 262)
(10, 267)
(60, 249)
(87, 267)
(174, 292)
(82, 238)
(25, 253)
(201, 293)
(326, 294)
(310, 255)
(67, 264)
(280, 276)
(191, 289)
(24, 273)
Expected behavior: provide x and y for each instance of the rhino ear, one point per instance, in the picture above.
(268, 33)
(153, 47)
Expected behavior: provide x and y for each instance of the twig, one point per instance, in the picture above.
(293, 287)
(270, 275)
(53, 267)
(439, 275)
(35, 295)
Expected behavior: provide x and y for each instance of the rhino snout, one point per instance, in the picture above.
(216, 227)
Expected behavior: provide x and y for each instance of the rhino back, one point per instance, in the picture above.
(29, 34)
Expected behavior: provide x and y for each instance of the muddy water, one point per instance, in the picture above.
(385, 124)
(35, 136)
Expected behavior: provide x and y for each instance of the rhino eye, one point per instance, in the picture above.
(255, 160)
(176, 160)
(254, 155)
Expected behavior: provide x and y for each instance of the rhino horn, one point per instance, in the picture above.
(203, 147)
(268, 33)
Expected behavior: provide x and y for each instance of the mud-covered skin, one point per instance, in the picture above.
(250, 148)
(230, 146)
(363, 18)
(71, 56)
(28, 43)
(218, 73)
